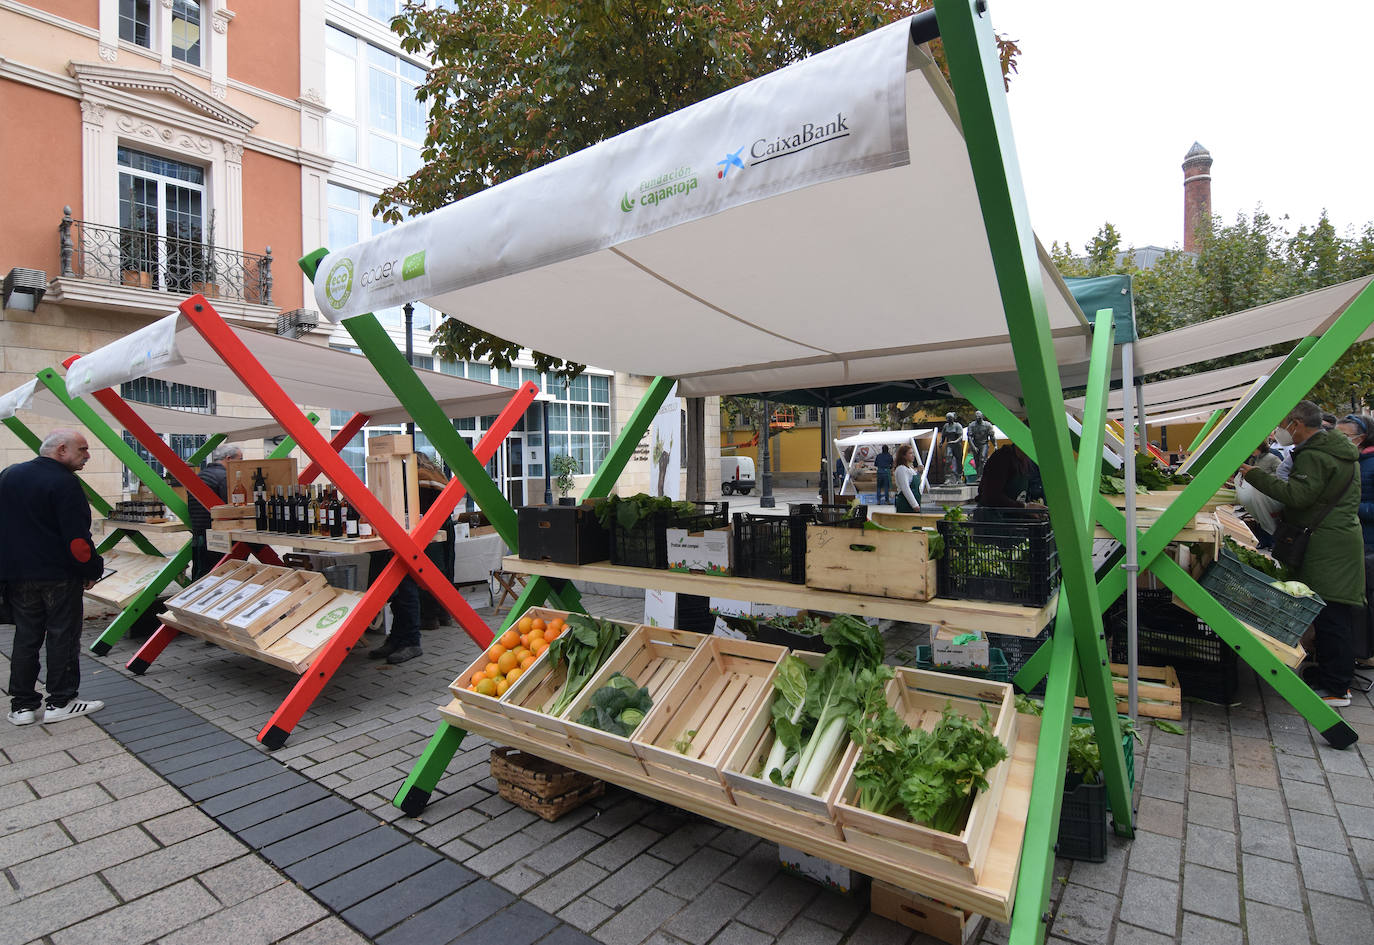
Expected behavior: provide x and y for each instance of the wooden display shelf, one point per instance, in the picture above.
(147, 528)
(956, 614)
(312, 543)
(133, 572)
(992, 895)
(231, 642)
(1202, 529)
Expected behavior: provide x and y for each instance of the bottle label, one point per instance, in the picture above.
(364, 529)
(311, 517)
(239, 498)
(352, 528)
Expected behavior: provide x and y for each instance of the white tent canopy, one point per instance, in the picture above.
(36, 397)
(1209, 389)
(818, 226)
(171, 349)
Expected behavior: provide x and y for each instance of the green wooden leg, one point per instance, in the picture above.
(145, 600)
(429, 768)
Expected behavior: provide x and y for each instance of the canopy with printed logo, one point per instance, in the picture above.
(815, 227)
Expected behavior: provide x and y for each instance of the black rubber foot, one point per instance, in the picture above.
(1340, 735)
(275, 738)
(100, 648)
(138, 667)
(415, 802)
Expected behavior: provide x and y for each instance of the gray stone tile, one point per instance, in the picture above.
(1147, 898)
(874, 930)
(1211, 893)
(585, 913)
(84, 859)
(1269, 881)
(353, 853)
(45, 913)
(624, 846)
(172, 864)
(685, 840)
(272, 805)
(1215, 754)
(1358, 821)
(1351, 790)
(565, 885)
(638, 920)
(517, 878)
(143, 919)
(1270, 925)
(1156, 855)
(275, 914)
(1265, 838)
(39, 840)
(1163, 784)
(1106, 875)
(1211, 811)
(1297, 768)
(1364, 855)
(1084, 915)
(1160, 817)
(1201, 930)
(54, 807)
(1208, 780)
(1209, 846)
(1333, 917)
(755, 870)
(241, 879)
(698, 871)
(496, 858)
(707, 914)
(464, 911)
(220, 784)
(551, 857)
(317, 839)
(36, 768)
(358, 884)
(778, 904)
(414, 893)
(293, 822)
(1261, 803)
(804, 931)
(1329, 872)
(1167, 758)
(328, 931)
(250, 793)
(1320, 831)
(1135, 935)
(1301, 795)
(629, 880)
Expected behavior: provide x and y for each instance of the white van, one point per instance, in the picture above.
(736, 475)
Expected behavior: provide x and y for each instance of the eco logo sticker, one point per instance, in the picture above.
(414, 266)
(331, 618)
(338, 286)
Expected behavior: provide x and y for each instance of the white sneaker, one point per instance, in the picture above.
(24, 717)
(72, 709)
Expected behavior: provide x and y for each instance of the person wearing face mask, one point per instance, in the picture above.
(1322, 493)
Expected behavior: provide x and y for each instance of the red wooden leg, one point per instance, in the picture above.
(150, 650)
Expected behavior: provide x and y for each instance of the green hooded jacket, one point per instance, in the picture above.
(1334, 566)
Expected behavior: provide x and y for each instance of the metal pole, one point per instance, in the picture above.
(409, 310)
(1130, 564)
(548, 473)
(766, 475)
(827, 454)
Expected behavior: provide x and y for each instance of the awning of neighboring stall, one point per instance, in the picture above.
(1209, 389)
(815, 227)
(171, 349)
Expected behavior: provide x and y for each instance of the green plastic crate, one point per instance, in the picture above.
(1246, 594)
(996, 671)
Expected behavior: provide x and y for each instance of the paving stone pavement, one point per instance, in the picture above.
(162, 819)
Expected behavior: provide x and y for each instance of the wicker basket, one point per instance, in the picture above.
(535, 776)
(550, 809)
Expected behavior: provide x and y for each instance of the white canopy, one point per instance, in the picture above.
(171, 349)
(1209, 390)
(37, 398)
(818, 226)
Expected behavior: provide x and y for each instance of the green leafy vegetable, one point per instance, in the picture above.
(683, 744)
(1260, 562)
(1294, 588)
(617, 707)
(1169, 727)
(629, 512)
(584, 645)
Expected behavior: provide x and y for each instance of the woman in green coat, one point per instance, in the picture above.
(1324, 469)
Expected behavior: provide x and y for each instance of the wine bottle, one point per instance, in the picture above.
(302, 506)
(350, 517)
(312, 513)
(239, 495)
(336, 523)
(259, 485)
(260, 510)
(272, 511)
(364, 526)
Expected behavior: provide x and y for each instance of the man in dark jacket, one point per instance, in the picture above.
(1324, 470)
(214, 475)
(47, 558)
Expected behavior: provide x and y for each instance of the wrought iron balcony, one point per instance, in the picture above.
(143, 260)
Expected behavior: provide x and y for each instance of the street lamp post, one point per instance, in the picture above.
(766, 500)
(409, 310)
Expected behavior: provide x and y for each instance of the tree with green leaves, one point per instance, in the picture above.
(514, 86)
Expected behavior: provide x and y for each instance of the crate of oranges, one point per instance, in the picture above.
(511, 654)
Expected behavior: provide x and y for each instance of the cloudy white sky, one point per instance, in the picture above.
(1112, 94)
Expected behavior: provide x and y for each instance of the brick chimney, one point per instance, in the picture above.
(1197, 193)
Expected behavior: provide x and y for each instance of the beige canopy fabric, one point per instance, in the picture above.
(1210, 389)
(172, 350)
(860, 254)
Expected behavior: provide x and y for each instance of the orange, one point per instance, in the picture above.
(510, 639)
(521, 653)
(486, 687)
(471, 688)
(524, 624)
(507, 662)
(539, 646)
(556, 625)
(537, 624)
(495, 652)
(524, 639)
(552, 634)
(501, 687)
(527, 662)
(492, 671)
(480, 675)
(513, 675)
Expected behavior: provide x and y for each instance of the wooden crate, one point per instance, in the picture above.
(653, 657)
(919, 697)
(189, 593)
(267, 619)
(253, 586)
(393, 479)
(298, 645)
(776, 802)
(925, 915)
(395, 444)
(230, 516)
(229, 575)
(722, 686)
(133, 572)
(881, 564)
(1157, 691)
(277, 472)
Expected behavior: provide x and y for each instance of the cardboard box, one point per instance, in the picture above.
(277, 472)
(945, 652)
(706, 551)
(397, 444)
(725, 607)
(842, 879)
(926, 915)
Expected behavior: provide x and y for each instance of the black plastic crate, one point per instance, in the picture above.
(773, 547)
(840, 513)
(646, 544)
(1005, 555)
(564, 534)
(1168, 635)
(1083, 822)
(1018, 651)
(768, 632)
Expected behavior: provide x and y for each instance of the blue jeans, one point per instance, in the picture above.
(45, 612)
(884, 486)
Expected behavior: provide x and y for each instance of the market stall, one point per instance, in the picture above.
(864, 447)
(895, 203)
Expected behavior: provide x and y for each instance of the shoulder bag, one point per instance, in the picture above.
(1290, 541)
